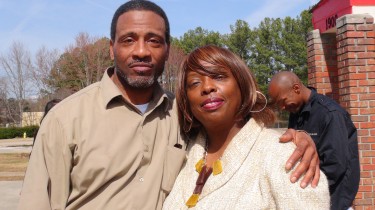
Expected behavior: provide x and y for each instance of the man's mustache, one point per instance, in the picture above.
(139, 61)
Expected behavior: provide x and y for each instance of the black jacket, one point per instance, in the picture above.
(335, 137)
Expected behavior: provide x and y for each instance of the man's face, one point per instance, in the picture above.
(139, 49)
(287, 99)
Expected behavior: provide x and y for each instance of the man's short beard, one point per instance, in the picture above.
(137, 82)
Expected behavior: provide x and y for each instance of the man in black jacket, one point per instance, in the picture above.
(330, 127)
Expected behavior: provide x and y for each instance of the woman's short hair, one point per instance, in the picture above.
(220, 60)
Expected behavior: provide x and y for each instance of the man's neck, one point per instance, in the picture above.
(306, 93)
(135, 96)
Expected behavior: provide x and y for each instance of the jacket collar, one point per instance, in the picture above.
(233, 157)
(307, 107)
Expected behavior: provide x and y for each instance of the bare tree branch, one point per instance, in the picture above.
(17, 65)
(45, 60)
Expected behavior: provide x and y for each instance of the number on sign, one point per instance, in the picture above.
(331, 21)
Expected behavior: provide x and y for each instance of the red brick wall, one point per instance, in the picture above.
(322, 63)
(356, 73)
(351, 82)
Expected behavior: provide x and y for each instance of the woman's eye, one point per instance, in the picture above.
(193, 84)
(219, 77)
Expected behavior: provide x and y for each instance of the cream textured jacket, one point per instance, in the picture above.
(253, 176)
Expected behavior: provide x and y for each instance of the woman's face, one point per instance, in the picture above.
(215, 99)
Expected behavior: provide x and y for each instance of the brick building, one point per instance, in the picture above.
(341, 63)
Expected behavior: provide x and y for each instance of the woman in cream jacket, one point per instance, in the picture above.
(234, 161)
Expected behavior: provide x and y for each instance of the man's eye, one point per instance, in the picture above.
(127, 41)
(154, 42)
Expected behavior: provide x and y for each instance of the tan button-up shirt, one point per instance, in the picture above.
(94, 150)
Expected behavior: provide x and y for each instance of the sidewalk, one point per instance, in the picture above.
(10, 190)
(16, 145)
(10, 194)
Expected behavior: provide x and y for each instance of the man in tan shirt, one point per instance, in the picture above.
(116, 144)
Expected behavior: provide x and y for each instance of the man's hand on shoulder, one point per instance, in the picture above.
(307, 154)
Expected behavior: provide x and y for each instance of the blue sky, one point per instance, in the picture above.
(55, 23)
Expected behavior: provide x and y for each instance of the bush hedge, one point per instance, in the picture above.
(13, 132)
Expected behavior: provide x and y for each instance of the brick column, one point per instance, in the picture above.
(322, 63)
(356, 77)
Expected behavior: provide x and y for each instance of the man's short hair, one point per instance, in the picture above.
(140, 5)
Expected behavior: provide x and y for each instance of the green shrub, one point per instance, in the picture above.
(13, 132)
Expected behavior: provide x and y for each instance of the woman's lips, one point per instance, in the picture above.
(212, 104)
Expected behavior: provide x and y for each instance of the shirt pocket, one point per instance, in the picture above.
(174, 159)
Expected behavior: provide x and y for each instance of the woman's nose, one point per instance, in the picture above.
(208, 86)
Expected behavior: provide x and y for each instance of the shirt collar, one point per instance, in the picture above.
(109, 88)
(307, 107)
(110, 93)
(161, 97)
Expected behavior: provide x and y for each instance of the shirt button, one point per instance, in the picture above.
(145, 148)
(141, 179)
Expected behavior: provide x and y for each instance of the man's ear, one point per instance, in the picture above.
(111, 49)
(297, 88)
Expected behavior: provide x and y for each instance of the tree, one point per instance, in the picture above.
(280, 44)
(45, 60)
(9, 112)
(197, 38)
(82, 63)
(304, 24)
(5, 116)
(239, 40)
(17, 65)
(168, 78)
(262, 57)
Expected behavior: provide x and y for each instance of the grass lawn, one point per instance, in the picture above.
(13, 166)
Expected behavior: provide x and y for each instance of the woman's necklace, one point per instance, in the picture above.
(217, 168)
(204, 173)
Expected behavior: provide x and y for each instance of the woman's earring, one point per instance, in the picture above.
(264, 104)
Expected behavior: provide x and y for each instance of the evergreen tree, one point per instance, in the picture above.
(197, 38)
(239, 40)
